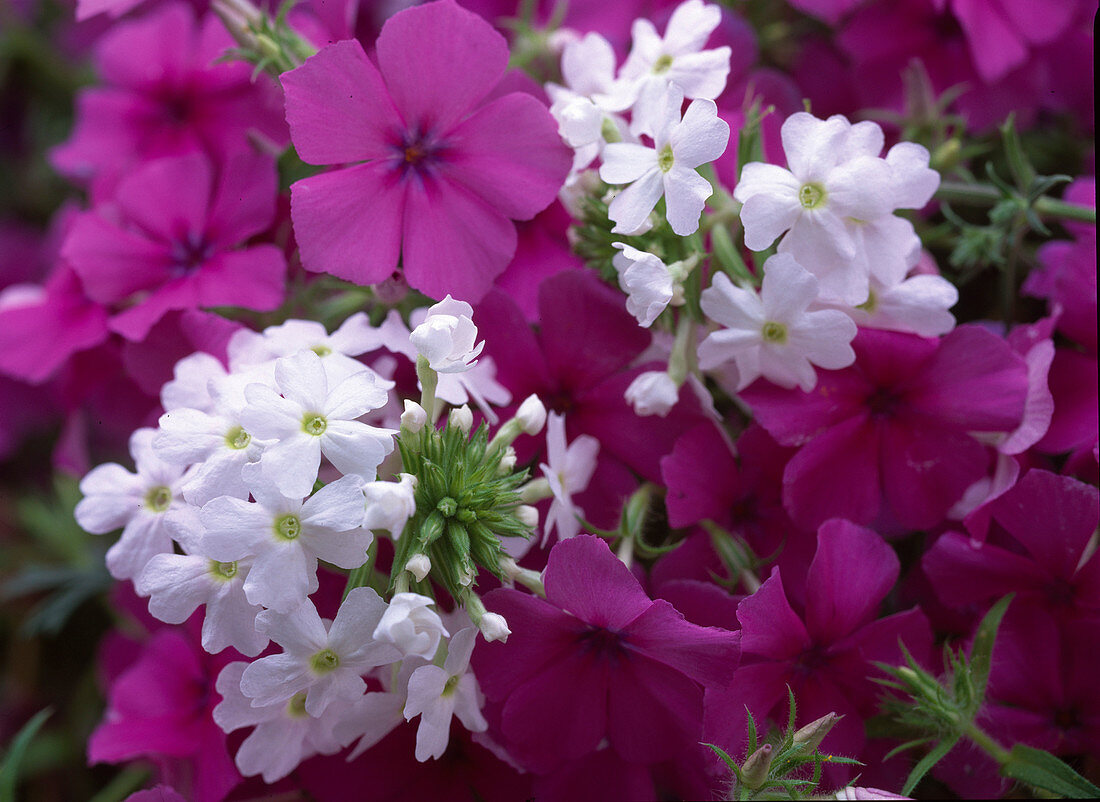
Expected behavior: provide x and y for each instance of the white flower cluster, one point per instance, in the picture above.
(651, 86)
(222, 512)
(845, 258)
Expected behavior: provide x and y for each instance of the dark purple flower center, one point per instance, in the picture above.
(189, 253)
(884, 402)
(177, 106)
(417, 153)
(1059, 592)
(811, 660)
(600, 642)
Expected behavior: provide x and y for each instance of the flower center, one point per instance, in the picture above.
(449, 686)
(223, 571)
(189, 253)
(321, 350)
(158, 498)
(602, 642)
(237, 438)
(324, 661)
(870, 304)
(811, 196)
(287, 527)
(314, 424)
(774, 333)
(662, 64)
(296, 707)
(665, 158)
(883, 403)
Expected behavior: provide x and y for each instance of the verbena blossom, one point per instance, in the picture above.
(568, 470)
(648, 282)
(680, 145)
(446, 337)
(439, 171)
(774, 334)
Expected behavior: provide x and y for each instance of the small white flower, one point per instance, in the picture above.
(918, 304)
(308, 420)
(324, 661)
(568, 472)
(461, 418)
(494, 627)
(411, 626)
(419, 565)
(436, 694)
(284, 537)
(652, 393)
(140, 503)
(772, 334)
(647, 282)
(285, 733)
(668, 168)
(447, 337)
(678, 58)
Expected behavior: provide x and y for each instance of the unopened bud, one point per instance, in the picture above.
(466, 576)
(494, 627)
(531, 415)
(508, 461)
(462, 418)
(419, 566)
(414, 417)
(755, 771)
(528, 516)
(811, 736)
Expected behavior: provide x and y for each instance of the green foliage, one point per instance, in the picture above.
(16, 752)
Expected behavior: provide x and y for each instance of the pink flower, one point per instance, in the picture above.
(598, 658)
(170, 241)
(440, 168)
(890, 434)
(163, 95)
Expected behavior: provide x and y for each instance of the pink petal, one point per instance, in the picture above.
(338, 108)
(168, 198)
(454, 242)
(113, 263)
(706, 654)
(851, 573)
(653, 710)
(438, 60)
(583, 577)
(509, 153)
(965, 572)
(349, 222)
(244, 199)
(253, 279)
(769, 627)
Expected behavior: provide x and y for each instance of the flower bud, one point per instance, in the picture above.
(390, 504)
(508, 461)
(652, 393)
(494, 627)
(462, 418)
(411, 626)
(531, 415)
(528, 516)
(414, 417)
(446, 337)
(811, 736)
(755, 771)
(419, 566)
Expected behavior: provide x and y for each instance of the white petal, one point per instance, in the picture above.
(275, 679)
(812, 146)
(355, 396)
(177, 583)
(701, 137)
(356, 448)
(630, 208)
(701, 75)
(292, 464)
(686, 194)
(299, 631)
(624, 162)
(788, 288)
(914, 181)
(766, 216)
(301, 379)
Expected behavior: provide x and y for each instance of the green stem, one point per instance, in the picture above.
(987, 744)
(988, 195)
(428, 380)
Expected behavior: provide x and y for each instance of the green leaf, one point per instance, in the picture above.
(981, 652)
(1045, 772)
(927, 762)
(897, 750)
(729, 761)
(753, 740)
(9, 770)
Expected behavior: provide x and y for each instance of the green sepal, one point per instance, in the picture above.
(1043, 771)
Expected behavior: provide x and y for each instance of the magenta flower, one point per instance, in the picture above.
(164, 94)
(173, 242)
(440, 169)
(1052, 518)
(598, 658)
(826, 654)
(891, 434)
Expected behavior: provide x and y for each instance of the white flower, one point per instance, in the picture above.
(390, 504)
(677, 58)
(590, 97)
(307, 420)
(478, 384)
(446, 337)
(652, 393)
(419, 565)
(668, 168)
(772, 334)
(568, 471)
(835, 203)
(140, 503)
(178, 583)
(436, 694)
(918, 304)
(285, 733)
(325, 662)
(192, 377)
(411, 626)
(646, 280)
(284, 537)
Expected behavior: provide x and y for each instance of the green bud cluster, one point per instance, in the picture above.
(465, 504)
